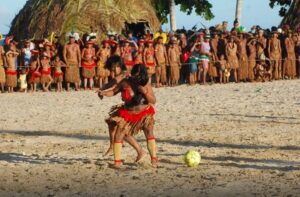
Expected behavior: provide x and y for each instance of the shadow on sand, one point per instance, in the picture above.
(230, 161)
(262, 119)
(203, 143)
(242, 162)
(56, 134)
(36, 159)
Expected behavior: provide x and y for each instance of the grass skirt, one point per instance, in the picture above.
(88, 73)
(243, 69)
(131, 123)
(2, 75)
(174, 72)
(58, 77)
(101, 71)
(11, 79)
(72, 74)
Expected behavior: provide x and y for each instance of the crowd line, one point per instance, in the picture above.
(208, 55)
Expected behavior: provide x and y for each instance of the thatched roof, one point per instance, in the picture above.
(40, 17)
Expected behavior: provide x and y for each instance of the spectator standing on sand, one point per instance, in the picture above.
(72, 57)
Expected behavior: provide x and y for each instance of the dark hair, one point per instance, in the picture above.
(142, 75)
(113, 60)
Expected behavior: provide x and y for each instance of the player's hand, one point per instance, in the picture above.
(100, 94)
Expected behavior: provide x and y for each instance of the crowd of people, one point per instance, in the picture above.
(208, 55)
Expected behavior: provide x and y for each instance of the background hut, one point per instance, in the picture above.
(39, 18)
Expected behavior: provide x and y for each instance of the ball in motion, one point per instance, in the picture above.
(192, 158)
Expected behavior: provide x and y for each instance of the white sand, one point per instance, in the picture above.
(51, 144)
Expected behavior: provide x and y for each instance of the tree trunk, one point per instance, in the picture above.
(172, 15)
(238, 11)
(293, 16)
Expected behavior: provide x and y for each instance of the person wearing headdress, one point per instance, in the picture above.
(297, 50)
(103, 54)
(34, 74)
(139, 54)
(2, 70)
(194, 62)
(115, 48)
(162, 34)
(57, 47)
(204, 57)
(243, 57)
(224, 70)
(46, 78)
(58, 73)
(162, 62)
(289, 64)
(214, 42)
(149, 35)
(127, 53)
(274, 51)
(261, 45)
(251, 45)
(72, 57)
(232, 58)
(174, 62)
(260, 71)
(236, 25)
(48, 49)
(149, 58)
(11, 71)
(88, 63)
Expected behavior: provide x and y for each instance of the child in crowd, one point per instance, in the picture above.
(58, 74)
(23, 81)
(260, 71)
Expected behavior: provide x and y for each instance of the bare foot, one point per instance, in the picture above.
(116, 166)
(142, 154)
(108, 152)
(154, 162)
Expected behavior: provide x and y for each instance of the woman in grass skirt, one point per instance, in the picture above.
(136, 114)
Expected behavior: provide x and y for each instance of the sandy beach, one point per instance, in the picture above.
(51, 144)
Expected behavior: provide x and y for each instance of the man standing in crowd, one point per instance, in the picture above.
(72, 57)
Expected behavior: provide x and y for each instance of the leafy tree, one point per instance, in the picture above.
(289, 10)
(285, 5)
(201, 7)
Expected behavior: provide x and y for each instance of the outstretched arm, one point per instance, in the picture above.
(111, 84)
(108, 93)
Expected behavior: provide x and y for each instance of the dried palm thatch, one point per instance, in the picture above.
(39, 17)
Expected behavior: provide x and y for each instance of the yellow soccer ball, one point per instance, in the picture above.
(192, 158)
